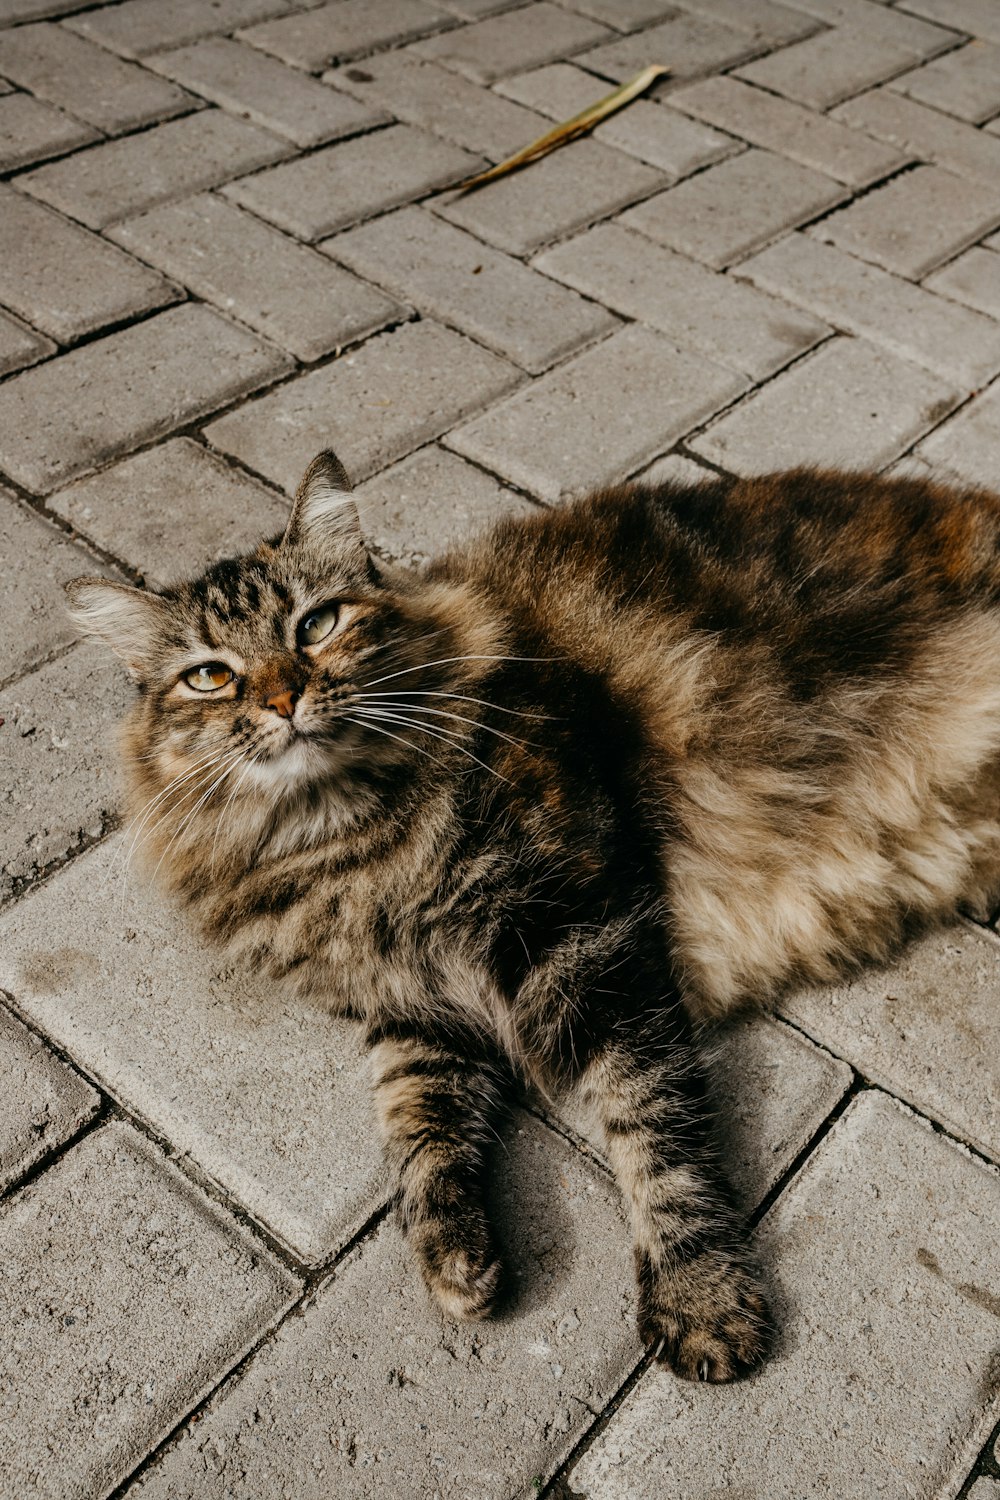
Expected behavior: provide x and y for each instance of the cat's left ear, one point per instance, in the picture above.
(133, 622)
(324, 517)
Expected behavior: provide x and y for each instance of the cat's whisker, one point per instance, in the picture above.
(162, 804)
(424, 729)
(499, 708)
(234, 759)
(443, 713)
(251, 762)
(445, 661)
(206, 774)
(370, 724)
(142, 816)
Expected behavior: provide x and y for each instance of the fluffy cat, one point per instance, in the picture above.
(545, 807)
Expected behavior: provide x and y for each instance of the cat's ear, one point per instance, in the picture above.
(324, 517)
(131, 621)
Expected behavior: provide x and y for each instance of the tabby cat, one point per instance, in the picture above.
(546, 807)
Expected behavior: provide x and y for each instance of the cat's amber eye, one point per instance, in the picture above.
(209, 676)
(317, 625)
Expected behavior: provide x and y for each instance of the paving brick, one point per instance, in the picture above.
(675, 469)
(925, 133)
(338, 185)
(571, 188)
(978, 17)
(720, 215)
(459, 280)
(474, 10)
(700, 309)
(271, 1101)
(688, 45)
(828, 67)
(104, 398)
(31, 130)
(974, 278)
(250, 83)
(965, 449)
(44, 1101)
(213, 511)
(34, 601)
(622, 15)
(32, 10)
(653, 134)
(494, 48)
(287, 292)
(127, 1294)
(862, 299)
(421, 93)
(86, 80)
(138, 27)
(883, 1242)
(317, 39)
(59, 772)
(985, 1489)
(64, 279)
(20, 346)
(784, 127)
(847, 405)
(965, 82)
(768, 23)
(124, 177)
(373, 406)
(420, 1406)
(415, 509)
(883, 22)
(914, 222)
(599, 417)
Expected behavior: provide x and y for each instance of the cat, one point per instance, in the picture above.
(545, 808)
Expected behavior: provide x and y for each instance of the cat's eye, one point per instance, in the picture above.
(209, 676)
(317, 625)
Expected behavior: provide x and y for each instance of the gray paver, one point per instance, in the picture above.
(883, 23)
(883, 1242)
(104, 398)
(272, 1101)
(32, 10)
(59, 782)
(985, 1489)
(319, 38)
(287, 292)
(338, 185)
(126, 1295)
(622, 15)
(701, 309)
(138, 27)
(599, 417)
(924, 132)
(828, 67)
(31, 130)
(86, 80)
(914, 222)
(65, 280)
(20, 346)
(974, 278)
(720, 215)
(170, 511)
(767, 22)
(965, 449)
(394, 394)
(422, 93)
(847, 405)
(484, 1410)
(688, 45)
(456, 278)
(780, 125)
(250, 83)
(979, 17)
(565, 191)
(45, 1102)
(414, 509)
(655, 135)
(862, 299)
(675, 469)
(487, 50)
(965, 82)
(123, 177)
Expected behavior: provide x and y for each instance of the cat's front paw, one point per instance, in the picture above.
(707, 1318)
(460, 1264)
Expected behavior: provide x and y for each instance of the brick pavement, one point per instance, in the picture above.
(228, 236)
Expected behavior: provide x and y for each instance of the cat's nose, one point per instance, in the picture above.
(284, 702)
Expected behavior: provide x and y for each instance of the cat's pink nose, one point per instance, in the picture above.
(284, 702)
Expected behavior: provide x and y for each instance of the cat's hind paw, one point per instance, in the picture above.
(460, 1265)
(707, 1320)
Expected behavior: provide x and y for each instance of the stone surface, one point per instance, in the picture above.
(59, 783)
(914, 222)
(976, 16)
(44, 1101)
(318, 38)
(874, 17)
(847, 405)
(420, 1406)
(86, 80)
(700, 309)
(31, 131)
(73, 413)
(599, 417)
(31, 10)
(376, 405)
(268, 1095)
(509, 43)
(723, 214)
(974, 278)
(965, 448)
(123, 177)
(65, 280)
(20, 346)
(782, 126)
(171, 511)
(689, 45)
(828, 67)
(318, 194)
(138, 27)
(126, 1295)
(883, 1242)
(623, 15)
(287, 292)
(675, 469)
(768, 23)
(461, 281)
(923, 132)
(247, 82)
(965, 82)
(860, 298)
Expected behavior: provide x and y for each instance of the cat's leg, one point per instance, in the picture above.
(437, 1102)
